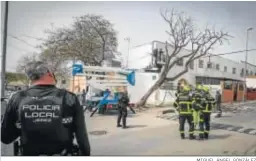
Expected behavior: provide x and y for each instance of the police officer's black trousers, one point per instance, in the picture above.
(204, 125)
(122, 114)
(182, 119)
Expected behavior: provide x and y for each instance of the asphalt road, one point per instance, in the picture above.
(244, 119)
(165, 140)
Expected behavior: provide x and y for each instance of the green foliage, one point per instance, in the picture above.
(15, 77)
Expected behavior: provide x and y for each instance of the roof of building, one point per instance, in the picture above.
(248, 63)
(214, 55)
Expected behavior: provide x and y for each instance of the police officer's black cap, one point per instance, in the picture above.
(36, 69)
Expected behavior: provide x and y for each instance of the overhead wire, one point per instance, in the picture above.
(17, 38)
(234, 52)
(40, 39)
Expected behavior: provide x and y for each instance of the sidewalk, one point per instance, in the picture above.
(226, 107)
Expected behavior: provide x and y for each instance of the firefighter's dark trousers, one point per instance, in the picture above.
(122, 114)
(182, 120)
(207, 120)
(204, 124)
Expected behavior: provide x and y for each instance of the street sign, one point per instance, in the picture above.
(77, 69)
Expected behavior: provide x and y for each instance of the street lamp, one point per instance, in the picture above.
(127, 61)
(246, 55)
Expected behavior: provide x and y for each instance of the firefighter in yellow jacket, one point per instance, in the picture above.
(197, 111)
(208, 105)
(183, 104)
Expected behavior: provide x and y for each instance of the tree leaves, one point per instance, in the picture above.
(91, 39)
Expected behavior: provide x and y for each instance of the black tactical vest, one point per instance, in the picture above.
(44, 129)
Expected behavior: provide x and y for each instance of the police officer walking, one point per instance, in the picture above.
(184, 106)
(123, 102)
(45, 117)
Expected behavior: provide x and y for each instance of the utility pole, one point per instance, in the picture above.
(128, 53)
(245, 63)
(3, 61)
(73, 82)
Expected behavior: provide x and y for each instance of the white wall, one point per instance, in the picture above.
(143, 81)
(251, 82)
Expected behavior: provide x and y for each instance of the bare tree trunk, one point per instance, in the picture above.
(157, 84)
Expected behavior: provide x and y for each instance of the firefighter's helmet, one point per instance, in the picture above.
(206, 89)
(186, 88)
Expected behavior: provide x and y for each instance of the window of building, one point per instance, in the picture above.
(209, 65)
(191, 65)
(251, 73)
(159, 56)
(217, 67)
(241, 87)
(201, 64)
(225, 68)
(228, 85)
(234, 70)
(242, 72)
(207, 80)
(163, 58)
(247, 72)
(180, 62)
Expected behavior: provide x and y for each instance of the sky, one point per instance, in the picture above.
(140, 21)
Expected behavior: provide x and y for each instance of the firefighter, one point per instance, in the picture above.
(197, 114)
(208, 105)
(183, 106)
(197, 106)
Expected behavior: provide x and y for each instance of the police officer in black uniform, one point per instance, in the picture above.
(45, 117)
(123, 102)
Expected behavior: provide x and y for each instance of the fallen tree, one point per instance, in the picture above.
(183, 36)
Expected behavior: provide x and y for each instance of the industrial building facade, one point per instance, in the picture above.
(206, 70)
(221, 73)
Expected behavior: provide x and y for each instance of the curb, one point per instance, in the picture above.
(220, 126)
(168, 111)
(224, 106)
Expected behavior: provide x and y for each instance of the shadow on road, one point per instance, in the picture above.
(136, 126)
(115, 113)
(224, 116)
(214, 136)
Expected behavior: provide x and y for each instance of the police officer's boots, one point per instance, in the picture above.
(191, 137)
(124, 123)
(182, 136)
(206, 135)
(118, 121)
